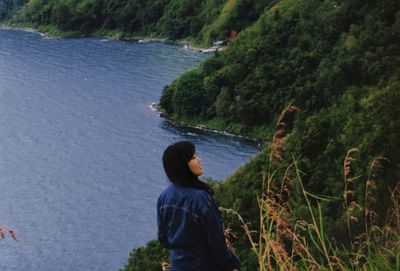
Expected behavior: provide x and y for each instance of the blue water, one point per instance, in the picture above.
(80, 148)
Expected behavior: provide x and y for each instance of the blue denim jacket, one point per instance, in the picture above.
(190, 224)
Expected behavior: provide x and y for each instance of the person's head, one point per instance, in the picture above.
(178, 159)
(183, 166)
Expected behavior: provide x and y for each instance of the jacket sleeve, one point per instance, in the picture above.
(162, 228)
(216, 239)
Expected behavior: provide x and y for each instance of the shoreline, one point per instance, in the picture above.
(203, 128)
(140, 39)
(26, 29)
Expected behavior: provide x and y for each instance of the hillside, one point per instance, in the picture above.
(198, 21)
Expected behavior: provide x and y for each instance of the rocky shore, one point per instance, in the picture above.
(202, 128)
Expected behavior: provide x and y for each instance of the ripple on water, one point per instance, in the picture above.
(81, 148)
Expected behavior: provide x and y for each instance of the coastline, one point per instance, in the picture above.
(26, 29)
(203, 128)
(141, 39)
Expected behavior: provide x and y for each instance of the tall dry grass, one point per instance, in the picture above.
(282, 243)
(4, 229)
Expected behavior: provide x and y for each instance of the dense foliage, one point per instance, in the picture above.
(147, 258)
(200, 21)
(307, 51)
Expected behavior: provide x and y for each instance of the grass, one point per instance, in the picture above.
(282, 243)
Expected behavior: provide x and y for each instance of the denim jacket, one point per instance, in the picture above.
(190, 224)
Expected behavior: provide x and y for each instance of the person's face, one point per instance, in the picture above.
(195, 165)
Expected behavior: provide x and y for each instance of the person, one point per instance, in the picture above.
(189, 221)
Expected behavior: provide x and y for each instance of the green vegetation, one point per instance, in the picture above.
(147, 258)
(310, 53)
(194, 20)
(306, 226)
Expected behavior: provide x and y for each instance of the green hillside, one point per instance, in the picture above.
(195, 20)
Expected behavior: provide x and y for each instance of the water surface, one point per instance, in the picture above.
(80, 148)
